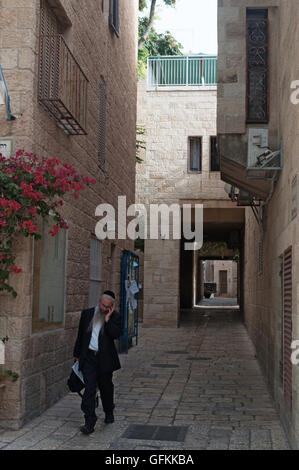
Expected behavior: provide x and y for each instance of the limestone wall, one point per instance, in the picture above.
(170, 116)
(263, 292)
(43, 360)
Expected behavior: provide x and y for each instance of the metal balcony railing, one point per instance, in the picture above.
(192, 70)
(62, 85)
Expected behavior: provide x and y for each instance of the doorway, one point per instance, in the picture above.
(223, 283)
(217, 283)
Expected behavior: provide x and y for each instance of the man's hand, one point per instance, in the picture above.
(110, 311)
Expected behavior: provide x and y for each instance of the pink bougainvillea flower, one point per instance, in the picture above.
(64, 224)
(15, 269)
(33, 210)
(28, 225)
(55, 230)
(14, 205)
(3, 202)
(39, 186)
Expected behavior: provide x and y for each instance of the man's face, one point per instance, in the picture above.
(105, 305)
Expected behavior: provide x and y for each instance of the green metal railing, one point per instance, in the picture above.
(181, 71)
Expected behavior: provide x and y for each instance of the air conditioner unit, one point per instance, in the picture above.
(263, 163)
(257, 144)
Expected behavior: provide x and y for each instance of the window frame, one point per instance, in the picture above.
(190, 170)
(217, 154)
(36, 268)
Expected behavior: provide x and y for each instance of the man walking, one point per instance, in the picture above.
(98, 359)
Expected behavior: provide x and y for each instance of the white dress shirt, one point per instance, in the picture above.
(94, 342)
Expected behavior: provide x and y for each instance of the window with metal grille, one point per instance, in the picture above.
(95, 271)
(62, 87)
(257, 66)
(215, 162)
(287, 326)
(114, 16)
(102, 123)
(195, 154)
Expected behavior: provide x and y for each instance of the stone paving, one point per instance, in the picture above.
(219, 302)
(203, 376)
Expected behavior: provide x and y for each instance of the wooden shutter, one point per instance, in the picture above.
(102, 124)
(48, 57)
(287, 326)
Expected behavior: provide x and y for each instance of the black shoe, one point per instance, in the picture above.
(109, 418)
(87, 429)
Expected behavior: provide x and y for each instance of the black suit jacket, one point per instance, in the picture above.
(108, 360)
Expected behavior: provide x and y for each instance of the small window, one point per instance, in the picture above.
(114, 16)
(215, 162)
(195, 153)
(95, 277)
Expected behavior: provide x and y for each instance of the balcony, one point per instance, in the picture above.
(62, 85)
(181, 71)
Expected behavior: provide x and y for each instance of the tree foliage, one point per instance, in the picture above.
(150, 42)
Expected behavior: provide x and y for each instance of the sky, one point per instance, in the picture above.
(193, 23)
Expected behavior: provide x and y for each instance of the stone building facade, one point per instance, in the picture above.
(99, 39)
(225, 275)
(258, 109)
(172, 116)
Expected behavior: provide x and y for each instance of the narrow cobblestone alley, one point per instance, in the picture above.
(202, 377)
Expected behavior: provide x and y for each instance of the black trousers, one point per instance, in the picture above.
(92, 379)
